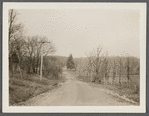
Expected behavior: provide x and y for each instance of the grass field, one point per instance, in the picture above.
(21, 90)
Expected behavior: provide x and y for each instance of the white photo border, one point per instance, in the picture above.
(74, 109)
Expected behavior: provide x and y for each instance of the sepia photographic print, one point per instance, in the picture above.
(74, 57)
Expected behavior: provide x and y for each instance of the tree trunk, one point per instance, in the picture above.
(39, 70)
(128, 83)
(104, 79)
(20, 72)
(120, 80)
(113, 78)
(20, 67)
(33, 68)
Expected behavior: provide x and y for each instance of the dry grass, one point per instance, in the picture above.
(21, 90)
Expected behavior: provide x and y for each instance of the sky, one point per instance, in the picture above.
(79, 31)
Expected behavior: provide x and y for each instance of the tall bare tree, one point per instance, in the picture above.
(105, 66)
(20, 51)
(91, 64)
(128, 68)
(114, 72)
(120, 70)
(13, 25)
(15, 36)
(94, 63)
(99, 48)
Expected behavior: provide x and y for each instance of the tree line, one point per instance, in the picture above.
(114, 68)
(25, 51)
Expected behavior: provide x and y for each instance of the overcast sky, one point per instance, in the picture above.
(78, 31)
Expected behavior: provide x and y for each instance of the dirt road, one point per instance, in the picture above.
(76, 93)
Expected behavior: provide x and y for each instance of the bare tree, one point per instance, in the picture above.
(128, 79)
(75, 66)
(16, 42)
(91, 64)
(114, 72)
(35, 46)
(98, 62)
(105, 68)
(13, 26)
(30, 46)
(94, 63)
(120, 70)
(20, 51)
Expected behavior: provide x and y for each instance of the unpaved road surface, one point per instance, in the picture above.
(76, 93)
